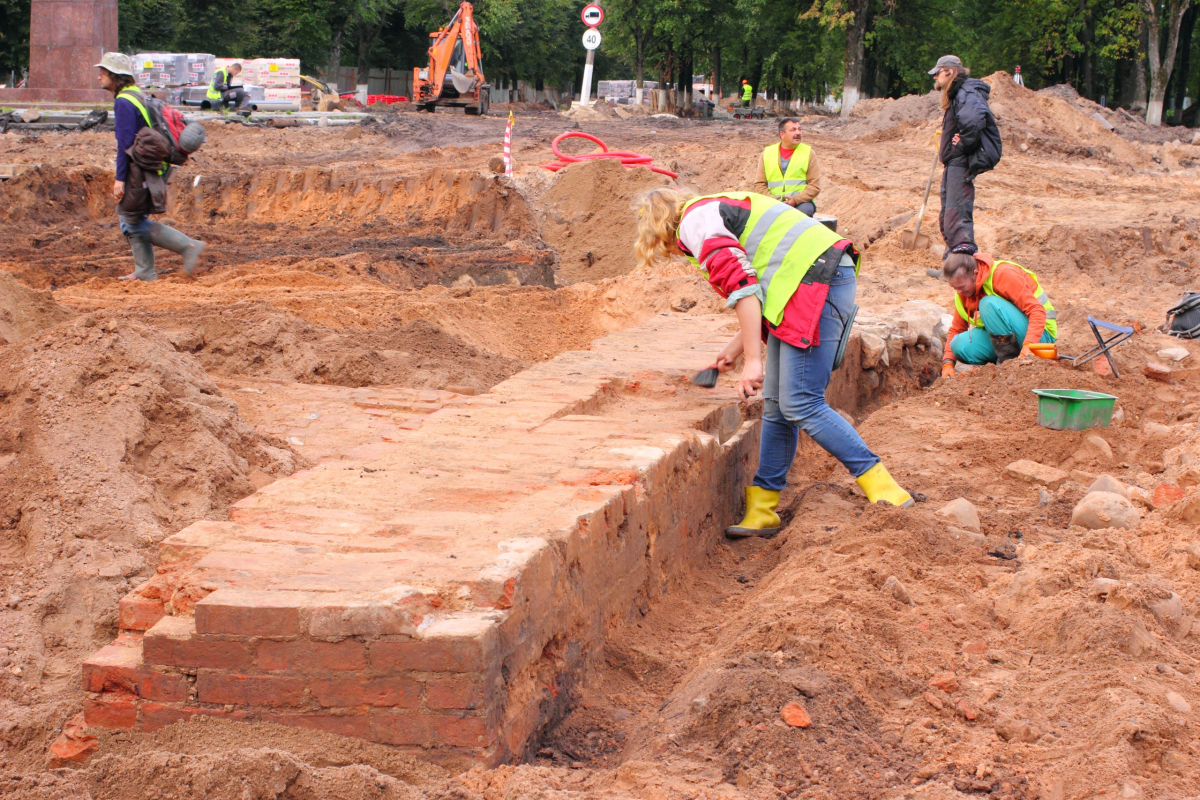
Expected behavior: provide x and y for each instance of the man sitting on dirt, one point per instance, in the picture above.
(223, 92)
(787, 170)
(997, 304)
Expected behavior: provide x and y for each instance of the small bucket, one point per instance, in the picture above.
(1074, 409)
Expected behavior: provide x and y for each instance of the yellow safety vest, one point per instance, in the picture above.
(747, 91)
(782, 244)
(1039, 294)
(213, 94)
(779, 184)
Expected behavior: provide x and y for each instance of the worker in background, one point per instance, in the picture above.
(221, 92)
(788, 171)
(747, 94)
(996, 305)
(970, 145)
(134, 203)
(796, 300)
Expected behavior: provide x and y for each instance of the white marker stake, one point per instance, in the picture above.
(591, 40)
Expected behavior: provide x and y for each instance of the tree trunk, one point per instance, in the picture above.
(855, 55)
(1088, 38)
(1182, 71)
(715, 79)
(1161, 60)
(368, 32)
(1139, 78)
(639, 66)
(335, 57)
(686, 68)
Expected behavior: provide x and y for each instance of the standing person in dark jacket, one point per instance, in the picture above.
(134, 205)
(970, 145)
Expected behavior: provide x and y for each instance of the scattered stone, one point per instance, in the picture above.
(1166, 494)
(1107, 483)
(1189, 477)
(1178, 703)
(1095, 446)
(74, 745)
(1010, 730)
(1140, 496)
(966, 710)
(934, 701)
(1079, 476)
(1104, 510)
(1140, 641)
(1156, 430)
(1033, 472)
(946, 681)
(1193, 555)
(963, 512)
(874, 351)
(896, 589)
(796, 715)
(1171, 354)
(1044, 497)
(1158, 372)
(1118, 416)
(31, 115)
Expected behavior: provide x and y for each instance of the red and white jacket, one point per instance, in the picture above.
(709, 232)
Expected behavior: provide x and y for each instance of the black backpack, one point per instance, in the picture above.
(1183, 320)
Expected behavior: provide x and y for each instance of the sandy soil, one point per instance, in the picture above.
(391, 254)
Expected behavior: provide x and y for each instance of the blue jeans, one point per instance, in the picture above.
(794, 397)
(999, 317)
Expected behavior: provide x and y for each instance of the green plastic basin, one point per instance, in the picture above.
(1074, 409)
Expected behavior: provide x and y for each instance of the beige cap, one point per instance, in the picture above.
(117, 64)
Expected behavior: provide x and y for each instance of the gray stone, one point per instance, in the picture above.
(874, 351)
(895, 588)
(1107, 483)
(1178, 703)
(1170, 354)
(963, 512)
(1104, 510)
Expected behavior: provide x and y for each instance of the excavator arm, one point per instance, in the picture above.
(454, 76)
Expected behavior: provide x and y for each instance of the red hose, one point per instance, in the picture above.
(630, 160)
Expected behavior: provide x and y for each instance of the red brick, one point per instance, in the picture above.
(309, 656)
(137, 613)
(1159, 372)
(249, 690)
(200, 653)
(428, 730)
(116, 668)
(157, 715)
(975, 648)
(946, 681)
(428, 655)
(342, 724)
(248, 613)
(343, 692)
(112, 711)
(460, 691)
(1166, 494)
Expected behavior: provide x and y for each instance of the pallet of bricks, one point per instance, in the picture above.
(277, 78)
(184, 77)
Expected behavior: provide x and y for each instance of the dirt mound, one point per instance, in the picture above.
(588, 217)
(110, 441)
(254, 339)
(25, 312)
(879, 114)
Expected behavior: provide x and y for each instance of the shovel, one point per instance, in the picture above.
(914, 239)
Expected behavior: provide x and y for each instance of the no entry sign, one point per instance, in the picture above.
(592, 15)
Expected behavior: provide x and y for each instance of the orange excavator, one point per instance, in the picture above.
(454, 76)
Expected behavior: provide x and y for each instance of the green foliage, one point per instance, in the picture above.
(14, 38)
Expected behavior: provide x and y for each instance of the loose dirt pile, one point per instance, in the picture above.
(590, 220)
(110, 441)
(25, 312)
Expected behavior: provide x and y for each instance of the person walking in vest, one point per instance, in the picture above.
(222, 93)
(788, 171)
(134, 201)
(970, 145)
(747, 94)
(997, 304)
(791, 281)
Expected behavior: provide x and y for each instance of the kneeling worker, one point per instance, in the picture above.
(996, 304)
(791, 281)
(221, 92)
(788, 171)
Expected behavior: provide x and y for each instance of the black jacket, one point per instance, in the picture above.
(979, 146)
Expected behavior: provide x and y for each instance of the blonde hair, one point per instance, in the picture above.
(659, 212)
(949, 87)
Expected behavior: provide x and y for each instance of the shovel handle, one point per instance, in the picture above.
(925, 201)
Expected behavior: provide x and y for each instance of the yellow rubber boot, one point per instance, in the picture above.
(760, 519)
(879, 486)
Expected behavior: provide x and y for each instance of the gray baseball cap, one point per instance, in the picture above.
(946, 61)
(117, 64)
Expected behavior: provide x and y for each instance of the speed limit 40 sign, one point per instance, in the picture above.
(591, 39)
(592, 15)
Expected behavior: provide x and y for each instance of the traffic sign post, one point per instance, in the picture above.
(592, 16)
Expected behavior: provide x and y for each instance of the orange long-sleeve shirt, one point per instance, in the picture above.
(1011, 283)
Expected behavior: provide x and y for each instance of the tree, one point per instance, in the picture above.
(1161, 60)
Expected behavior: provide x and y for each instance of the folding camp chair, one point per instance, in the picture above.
(1103, 346)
